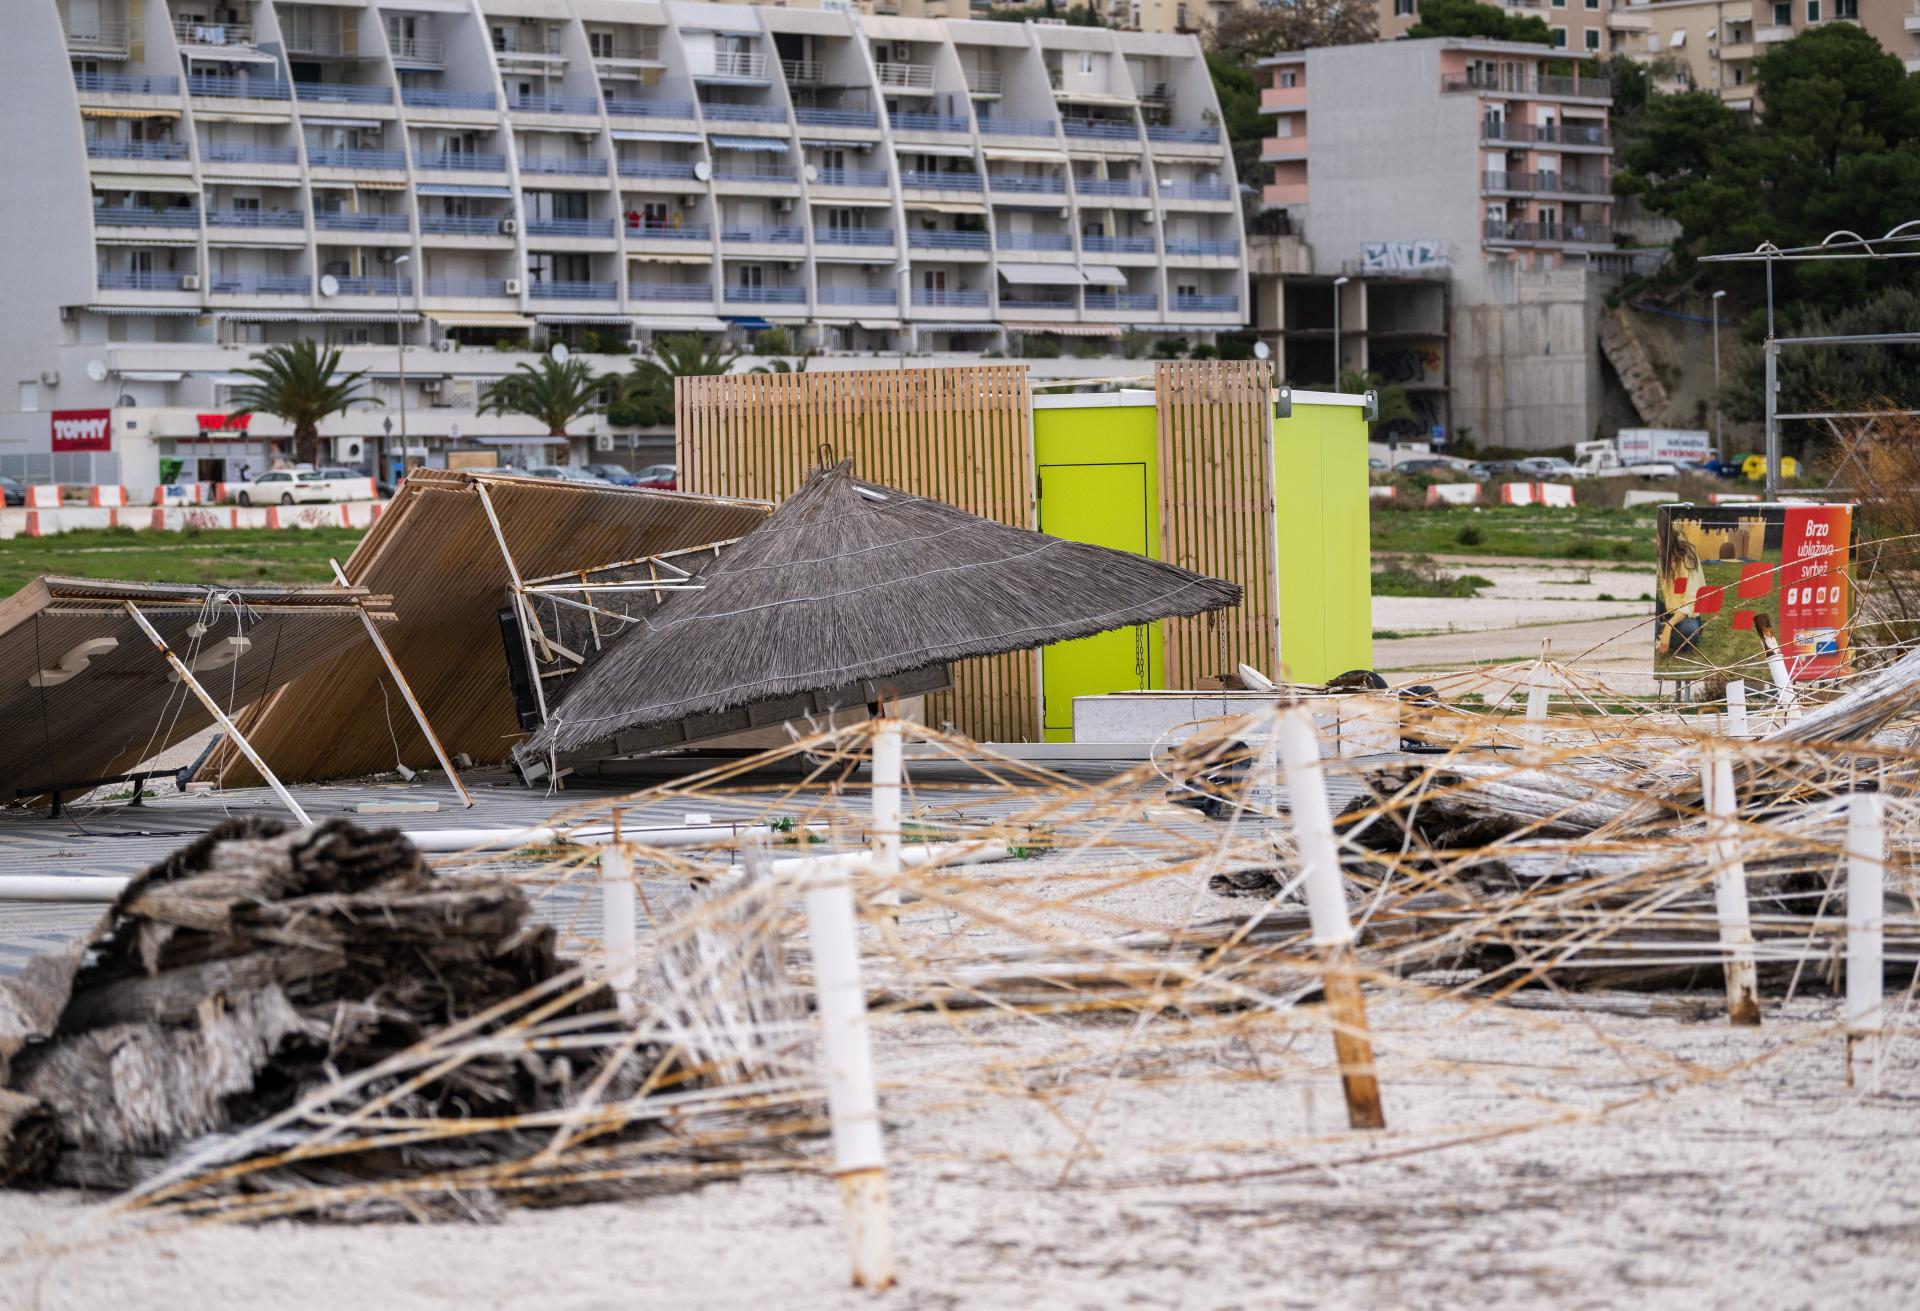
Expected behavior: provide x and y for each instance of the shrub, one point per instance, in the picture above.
(1470, 535)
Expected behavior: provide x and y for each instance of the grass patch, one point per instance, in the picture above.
(1528, 532)
(1419, 576)
(240, 556)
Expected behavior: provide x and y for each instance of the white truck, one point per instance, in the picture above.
(1605, 459)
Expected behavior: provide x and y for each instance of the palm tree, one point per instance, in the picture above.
(301, 384)
(645, 398)
(553, 392)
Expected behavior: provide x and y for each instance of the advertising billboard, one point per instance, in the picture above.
(1726, 568)
(82, 430)
(1664, 446)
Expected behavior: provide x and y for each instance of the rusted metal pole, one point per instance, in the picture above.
(1730, 890)
(1327, 912)
(406, 692)
(219, 715)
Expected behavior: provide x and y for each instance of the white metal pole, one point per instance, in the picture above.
(859, 1156)
(219, 715)
(888, 778)
(617, 904)
(1535, 729)
(1730, 890)
(1866, 909)
(1782, 683)
(1737, 707)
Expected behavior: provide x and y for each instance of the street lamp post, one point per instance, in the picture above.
(1719, 445)
(904, 289)
(1337, 284)
(400, 353)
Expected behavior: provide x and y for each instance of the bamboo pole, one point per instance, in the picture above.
(1736, 707)
(220, 716)
(1730, 890)
(1866, 912)
(1327, 912)
(528, 625)
(888, 777)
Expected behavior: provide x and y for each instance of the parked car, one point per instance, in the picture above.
(1547, 466)
(285, 487)
(565, 473)
(1438, 469)
(348, 484)
(12, 491)
(614, 474)
(660, 476)
(1504, 469)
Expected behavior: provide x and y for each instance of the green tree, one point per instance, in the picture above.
(1470, 18)
(645, 395)
(1834, 377)
(1394, 406)
(1240, 115)
(1247, 35)
(552, 392)
(301, 384)
(1075, 15)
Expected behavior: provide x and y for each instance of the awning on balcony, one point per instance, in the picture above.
(1024, 156)
(106, 111)
(1068, 329)
(140, 182)
(455, 189)
(815, 143)
(1045, 275)
(1104, 275)
(771, 145)
(316, 120)
(584, 318)
(855, 202)
(648, 134)
(155, 375)
(227, 379)
(1094, 98)
(364, 185)
(946, 152)
(654, 257)
(751, 322)
(146, 311)
(478, 319)
(227, 55)
(149, 239)
(879, 325)
(312, 316)
(981, 325)
(938, 207)
(283, 183)
(681, 325)
(235, 116)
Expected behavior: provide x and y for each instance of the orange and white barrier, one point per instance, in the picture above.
(1518, 494)
(180, 518)
(43, 496)
(1453, 494)
(27, 522)
(1383, 492)
(1558, 496)
(110, 496)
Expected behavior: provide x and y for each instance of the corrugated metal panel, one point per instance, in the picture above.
(435, 553)
(963, 436)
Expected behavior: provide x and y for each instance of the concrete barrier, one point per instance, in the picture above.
(43, 496)
(177, 519)
(29, 522)
(1558, 496)
(1383, 493)
(1518, 494)
(108, 496)
(1637, 497)
(1453, 494)
(1732, 498)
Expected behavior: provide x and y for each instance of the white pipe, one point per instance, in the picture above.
(220, 716)
(853, 1107)
(445, 840)
(1866, 910)
(617, 924)
(1313, 829)
(1730, 890)
(78, 889)
(1534, 730)
(888, 777)
(1737, 707)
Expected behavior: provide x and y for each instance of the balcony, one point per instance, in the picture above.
(657, 170)
(767, 234)
(852, 177)
(1279, 99)
(1545, 84)
(904, 77)
(120, 84)
(940, 181)
(612, 50)
(588, 106)
(101, 36)
(669, 232)
(417, 52)
(460, 225)
(723, 112)
(831, 295)
(468, 288)
(994, 126)
(733, 65)
(1767, 36)
(1564, 184)
(801, 72)
(325, 45)
(1110, 186)
(1195, 191)
(1100, 129)
(122, 280)
(1040, 304)
(922, 239)
(559, 227)
(1565, 134)
(648, 107)
(343, 221)
(985, 81)
(373, 287)
(420, 97)
(853, 236)
(565, 166)
(461, 161)
(808, 116)
(1191, 303)
(1052, 241)
(215, 87)
(755, 174)
(1547, 234)
(915, 122)
(574, 290)
(963, 300)
(261, 284)
(122, 216)
(108, 148)
(256, 218)
(1121, 300)
(677, 291)
(216, 35)
(1210, 249)
(220, 152)
(766, 295)
(1293, 147)
(342, 93)
(1117, 245)
(366, 159)
(1046, 186)
(1186, 136)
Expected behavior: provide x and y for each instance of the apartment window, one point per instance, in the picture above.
(1559, 4)
(1783, 13)
(601, 43)
(933, 280)
(1847, 9)
(1593, 38)
(1289, 77)
(1086, 63)
(29, 397)
(841, 218)
(1593, 4)
(1402, 8)
(1559, 38)
(751, 275)
(1813, 11)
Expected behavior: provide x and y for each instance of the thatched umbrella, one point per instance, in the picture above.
(849, 581)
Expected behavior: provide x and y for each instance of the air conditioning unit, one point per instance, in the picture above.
(50, 377)
(68, 313)
(586, 138)
(190, 282)
(446, 344)
(603, 441)
(784, 205)
(509, 226)
(430, 386)
(513, 286)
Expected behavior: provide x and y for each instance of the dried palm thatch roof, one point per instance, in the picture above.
(850, 581)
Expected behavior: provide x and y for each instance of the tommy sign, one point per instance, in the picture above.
(83, 430)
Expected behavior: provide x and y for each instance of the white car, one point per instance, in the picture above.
(289, 486)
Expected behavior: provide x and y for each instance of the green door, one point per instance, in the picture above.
(1104, 505)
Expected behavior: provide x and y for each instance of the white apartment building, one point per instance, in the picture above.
(468, 180)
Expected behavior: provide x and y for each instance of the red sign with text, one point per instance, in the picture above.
(224, 422)
(83, 430)
(1814, 550)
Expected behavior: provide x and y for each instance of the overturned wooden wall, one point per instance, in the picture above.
(963, 436)
(1216, 509)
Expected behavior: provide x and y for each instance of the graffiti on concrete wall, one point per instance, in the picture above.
(1400, 256)
(1403, 365)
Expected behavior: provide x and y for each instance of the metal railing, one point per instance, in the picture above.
(469, 287)
(217, 152)
(751, 64)
(1034, 241)
(766, 295)
(940, 181)
(853, 237)
(852, 177)
(994, 126)
(1565, 184)
(103, 36)
(569, 227)
(188, 32)
(122, 216)
(256, 218)
(122, 280)
(338, 220)
(1121, 300)
(1196, 136)
(120, 84)
(1196, 191)
(664, 170)
(341, 158)
(1117, 245)
(904, 77)
(1192, 303)
(1546, 84)
(261, 284)
(213, 86)
(1560, 134)
(922, 239)
(343, 93)
(772, 234)
(753, 173)
(421, 97)
(1575, 234)
(563, 166)
(805, 71)
(1101, 129)
(1110, 186)
(1201, 246)
(681, 291)
(417, 50)
(1037, 302)
(461, 161)
(648, 107)
(109, 148)
(985, 81)
(906, 121)
(811, 116)
(832, 295)
(550, 104)
(574, 290)
(308, 41)
(644, 52)
(668, 232)
(373, 286)
(976, 300)
(461, 225)
(1047, 186)
(721, 111)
